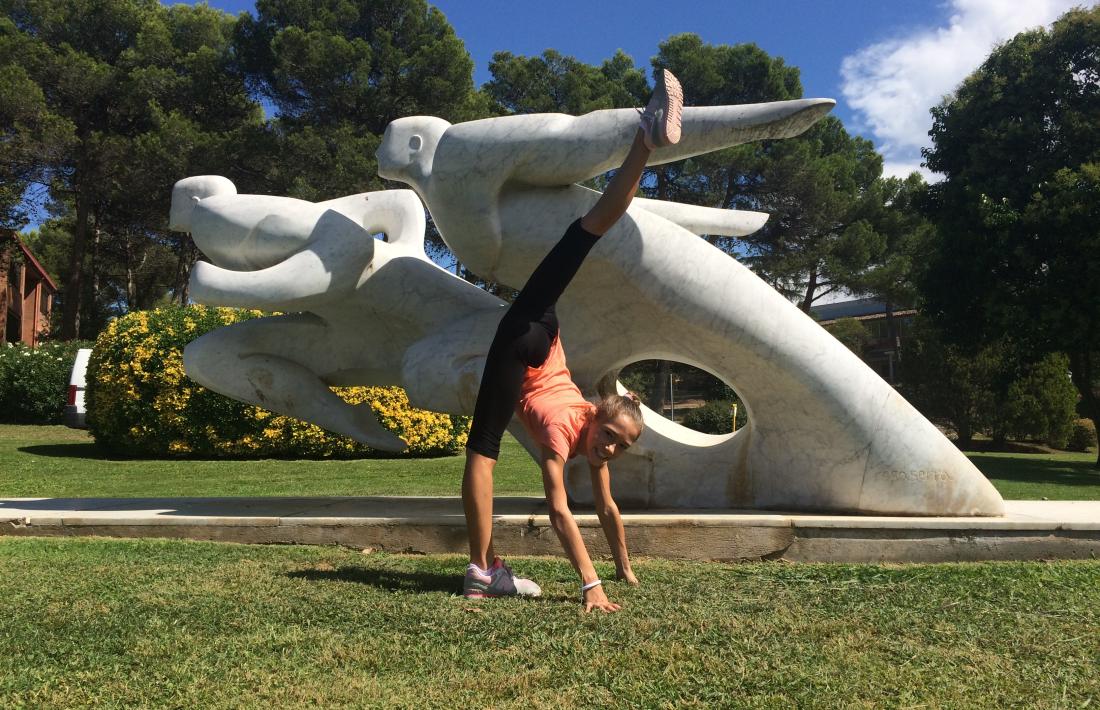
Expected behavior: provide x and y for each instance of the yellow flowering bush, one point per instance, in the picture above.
(140, 401)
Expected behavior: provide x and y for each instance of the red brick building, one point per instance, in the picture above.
(26, 293)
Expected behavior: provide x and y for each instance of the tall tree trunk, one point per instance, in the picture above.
(892, 328)
(7, 246)
(1082, 370)
(660, 387)
(131, 287)
(70, 313)
(93, 272)
(960, 408)
(1096, 427)
(185, 261)
(185, 290)
(895, 342)
(964, 434)
(188, 256)
(811, 286)
(731, 189)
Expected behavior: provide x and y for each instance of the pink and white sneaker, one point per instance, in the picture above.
(660, 120)
(497, 581)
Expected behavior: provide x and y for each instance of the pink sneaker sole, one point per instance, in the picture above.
(671, 125)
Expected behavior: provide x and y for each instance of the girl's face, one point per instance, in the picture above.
(606, 439)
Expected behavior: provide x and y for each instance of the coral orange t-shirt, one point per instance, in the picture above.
(551, 407)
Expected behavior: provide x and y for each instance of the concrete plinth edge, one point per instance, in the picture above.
(1032, 530)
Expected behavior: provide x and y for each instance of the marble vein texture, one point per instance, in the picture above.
(825, 432)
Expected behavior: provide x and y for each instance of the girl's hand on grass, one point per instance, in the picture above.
(627, 576)
(595, 598)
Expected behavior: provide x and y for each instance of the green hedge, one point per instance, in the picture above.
(34, 382)
(1083, 435)
(141, 403)
(715, 417)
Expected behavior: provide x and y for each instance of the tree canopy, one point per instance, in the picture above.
(112, 101)
(823, 189)
(337, 72)
(117, 99)
(137, 94)
(1018, 213)
(553, 83)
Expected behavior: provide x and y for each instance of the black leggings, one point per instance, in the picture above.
(523, 339)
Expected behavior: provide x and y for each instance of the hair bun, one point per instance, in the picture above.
(633, 397)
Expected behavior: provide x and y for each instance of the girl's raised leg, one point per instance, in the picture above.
(616, 198)
(660, 126)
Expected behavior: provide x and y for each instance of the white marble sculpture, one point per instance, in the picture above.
(365, 311)
(825, 431)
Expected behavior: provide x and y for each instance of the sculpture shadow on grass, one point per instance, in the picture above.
(98, 453)
(389, 580)
(82, 450)
(95, 452)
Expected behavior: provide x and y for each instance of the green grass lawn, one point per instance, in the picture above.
(159, 623)
(1062, 476)
(54, 461)
(165, 623)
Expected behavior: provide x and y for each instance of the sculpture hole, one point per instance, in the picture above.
(686, 395)
(415, 142)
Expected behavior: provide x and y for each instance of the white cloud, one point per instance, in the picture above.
(891, 85)
(902, 168)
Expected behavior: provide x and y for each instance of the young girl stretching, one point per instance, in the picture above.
(525, 373)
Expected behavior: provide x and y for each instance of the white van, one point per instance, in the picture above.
(74, 408)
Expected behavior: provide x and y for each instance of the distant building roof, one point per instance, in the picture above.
(859, 308)
(31, 261)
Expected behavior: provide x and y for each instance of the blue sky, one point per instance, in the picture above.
(814, 36)
(885, 61)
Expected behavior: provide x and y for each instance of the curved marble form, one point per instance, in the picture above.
(825, 432)
(365, 311)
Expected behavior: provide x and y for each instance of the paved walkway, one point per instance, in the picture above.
(1030, 530)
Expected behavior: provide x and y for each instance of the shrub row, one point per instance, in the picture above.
(1083, 435)
(34, 382)
(715, 417)
(140, 401)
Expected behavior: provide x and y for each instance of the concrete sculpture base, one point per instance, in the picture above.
(825, 432)
(1030, 530)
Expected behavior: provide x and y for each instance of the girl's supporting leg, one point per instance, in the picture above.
(520, 341)
(477, 503)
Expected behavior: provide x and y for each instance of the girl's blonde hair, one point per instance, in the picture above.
(613, 405)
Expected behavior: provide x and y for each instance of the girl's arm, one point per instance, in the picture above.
(561, 518)
(612, 522)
